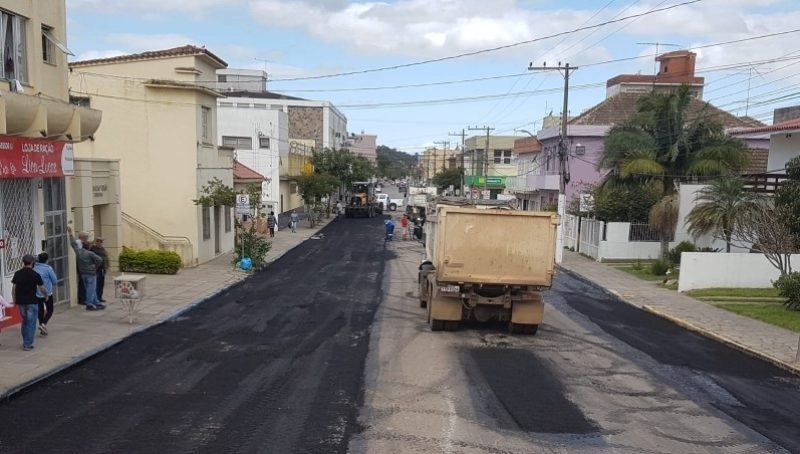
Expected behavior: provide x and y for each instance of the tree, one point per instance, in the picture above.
(660, 144)
(765, 229)
(447, 178)
(626, 203)
(788, 198)
(314, 187)
(394, 164)
(216, 193)
(343, 165)
(721, 205)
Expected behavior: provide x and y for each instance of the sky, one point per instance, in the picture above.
(305, 46)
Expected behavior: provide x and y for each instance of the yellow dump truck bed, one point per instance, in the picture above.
(492, 246)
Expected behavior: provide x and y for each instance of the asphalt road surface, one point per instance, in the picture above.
(273, 365)
(327, 351)
(599, 377)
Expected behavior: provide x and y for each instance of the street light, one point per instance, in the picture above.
(526, 132)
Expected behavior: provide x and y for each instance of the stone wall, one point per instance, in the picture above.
(306, 123)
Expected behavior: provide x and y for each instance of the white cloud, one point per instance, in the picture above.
(195, 7)
(96, 54)
(420, 28)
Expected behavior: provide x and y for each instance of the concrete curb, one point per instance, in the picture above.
(794, 369)
(77, 360)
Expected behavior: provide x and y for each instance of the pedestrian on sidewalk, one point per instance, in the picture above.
(83, 237)
(293, 219)
(26, 282)
(88, 262)
(339, 209)
(100, 250)
(271, 223)
(404, 227)
(45, 299)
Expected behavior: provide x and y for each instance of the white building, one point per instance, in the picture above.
(259, 134)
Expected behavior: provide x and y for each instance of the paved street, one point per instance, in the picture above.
(327, 351)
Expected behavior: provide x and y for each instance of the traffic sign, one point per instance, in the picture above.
(242, 203)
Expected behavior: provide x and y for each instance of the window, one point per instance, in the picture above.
(240, 143)
(222, 78)
(206, 223)
(502, 157)
(13, 47)
(205, 123)
(226, 104)
(228, 217)
(83, 101)
(580, 150)
(263, 142)
(48, 48)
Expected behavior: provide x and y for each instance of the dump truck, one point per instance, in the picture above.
(486, 261)
(362, 202)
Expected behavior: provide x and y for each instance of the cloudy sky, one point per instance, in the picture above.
(417, 104)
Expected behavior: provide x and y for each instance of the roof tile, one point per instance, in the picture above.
(153, 54)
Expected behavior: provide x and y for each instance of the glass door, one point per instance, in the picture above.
(56, 238)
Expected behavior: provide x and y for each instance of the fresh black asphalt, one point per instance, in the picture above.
(274, 364)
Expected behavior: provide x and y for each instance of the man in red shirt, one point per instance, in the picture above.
(404, 226)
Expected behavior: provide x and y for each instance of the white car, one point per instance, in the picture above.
(389, 203)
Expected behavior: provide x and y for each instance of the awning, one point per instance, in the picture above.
(57, 43)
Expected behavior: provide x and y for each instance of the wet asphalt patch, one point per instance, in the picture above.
(530, 393)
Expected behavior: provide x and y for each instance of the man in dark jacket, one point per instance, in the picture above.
(25, 283)
(100, 250)
(88, 262)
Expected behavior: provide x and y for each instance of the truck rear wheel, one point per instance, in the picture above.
(392, 206)
(519, 328)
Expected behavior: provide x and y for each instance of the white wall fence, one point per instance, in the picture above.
(605, 241)
(719, 270)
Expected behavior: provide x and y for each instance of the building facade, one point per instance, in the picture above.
(488, 171)
(161, 109)
(38, 130)
(364, 145)
(259, 136)
(527, 152)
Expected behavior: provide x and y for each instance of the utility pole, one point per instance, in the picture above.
(485, 156)
(563, 153)
(446, 146)
(463, 151)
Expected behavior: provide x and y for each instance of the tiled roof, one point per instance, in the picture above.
(260, 95)
(153, 54)
(777, 127)
(621, 107)
(243, 173)
(527, 145)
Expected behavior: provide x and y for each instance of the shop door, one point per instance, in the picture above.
(17, 224)
(56, 242)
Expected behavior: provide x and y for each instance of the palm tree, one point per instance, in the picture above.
(720, 206)
(659, 144)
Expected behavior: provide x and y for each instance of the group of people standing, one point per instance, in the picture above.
(34, 284)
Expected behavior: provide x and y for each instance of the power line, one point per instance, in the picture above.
(492, 49)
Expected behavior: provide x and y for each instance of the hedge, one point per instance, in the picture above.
(151, 261)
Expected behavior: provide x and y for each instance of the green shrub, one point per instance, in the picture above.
(788, 286)
(674, 256)
(637, 265)
(251, 244)
(150, 261)
(659, 268)
(708, 249)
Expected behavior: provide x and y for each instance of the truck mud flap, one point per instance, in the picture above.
(445, 309)
(528, 312)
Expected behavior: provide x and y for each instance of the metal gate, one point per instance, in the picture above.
(56, 243)
(17, 224)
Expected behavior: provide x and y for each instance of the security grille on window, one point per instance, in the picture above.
(502, 157)
(239, 143)
(13, 48)
(206, 223)
(263, 142)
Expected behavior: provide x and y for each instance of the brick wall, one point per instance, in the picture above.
(306, 123)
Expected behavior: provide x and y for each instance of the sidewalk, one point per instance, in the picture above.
(771, 343)
(76, 334)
